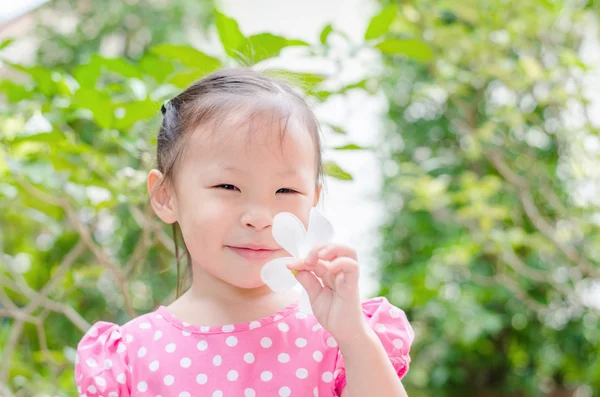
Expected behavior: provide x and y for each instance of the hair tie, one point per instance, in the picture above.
(163, 108)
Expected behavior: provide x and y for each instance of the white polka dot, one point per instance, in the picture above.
(93, 332)
(92, 389)
(102, 339)
(186, 333)
(100, 381)
(170, 348)
(277, 317)
(301, 316)
(202, 345)
(128, 338)
(331, 342)
(217, 393)
(91, 362)
(185, 362)
(249, 358)
(380, 328)
(249, 393)
(398, 343)
(157, 335)
(186, 324)
(301, 342)
(169, 380)
(316, 392)
(285, 392)
(327, 377)
(142, 352)
(395, 312)
(121, 378)
(184, 394)
(217, 360)
(158, 316)
(154, 365)
(108, 364)
(231, 341)
(316, 327)
(145, 325)
(142, 386)
(283, 358)
(266, 376)
(121, 348)
(266, 342)
(232, 375)
(283, 327)
(254, 324)
(204, 329)
(302, 373)
(113, 394)
(318, 356)
(201, 379)
(227, 328)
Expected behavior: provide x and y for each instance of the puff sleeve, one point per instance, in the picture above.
(101, 363)
(394, 331)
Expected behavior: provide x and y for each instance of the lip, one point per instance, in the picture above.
(253, 252)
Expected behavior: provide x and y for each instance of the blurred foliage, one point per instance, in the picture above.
(490, 239)
(487, 244)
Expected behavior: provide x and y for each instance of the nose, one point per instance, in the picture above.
(258, 218)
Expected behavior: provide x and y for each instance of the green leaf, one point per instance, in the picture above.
(6, 43)
(230, 34)
(156, 67)
(263, 46)
(414, 49)
(184, 79)
(119, 66)
(325, 33)
(305, 80)
(188, 56)
(51, 136)
(350, 146)
(99, 103)
(381, 22)
(137, 111)
(337, 129)
(335, 171)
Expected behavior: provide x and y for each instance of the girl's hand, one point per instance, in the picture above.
(336, 302)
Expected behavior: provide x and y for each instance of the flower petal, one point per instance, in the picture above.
(289, 233)
(277, 276)
(320, 230)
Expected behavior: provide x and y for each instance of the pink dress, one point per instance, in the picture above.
(285, 354)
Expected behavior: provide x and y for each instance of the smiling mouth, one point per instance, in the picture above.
(253, 254)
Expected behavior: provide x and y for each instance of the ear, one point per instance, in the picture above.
(162, 198)
(317, 194)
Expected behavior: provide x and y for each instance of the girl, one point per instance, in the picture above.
(235, 149)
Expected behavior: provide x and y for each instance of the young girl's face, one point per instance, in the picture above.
(233, 179)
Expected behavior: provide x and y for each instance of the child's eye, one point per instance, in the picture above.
(227, 186)
(285, 190)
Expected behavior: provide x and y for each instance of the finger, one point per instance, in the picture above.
(313, 255)
(348, 268)
(333, 251)
(311, 284)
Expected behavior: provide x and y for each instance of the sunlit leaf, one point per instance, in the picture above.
(380, 23)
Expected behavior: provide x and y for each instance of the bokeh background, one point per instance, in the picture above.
(463, 162)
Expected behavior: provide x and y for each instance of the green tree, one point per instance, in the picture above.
(485, 242)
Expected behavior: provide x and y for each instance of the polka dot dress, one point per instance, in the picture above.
(285, 354)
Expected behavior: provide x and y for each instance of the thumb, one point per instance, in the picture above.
(310, 282)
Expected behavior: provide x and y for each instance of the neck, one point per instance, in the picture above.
(211, 301)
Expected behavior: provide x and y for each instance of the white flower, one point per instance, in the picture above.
(289, 232)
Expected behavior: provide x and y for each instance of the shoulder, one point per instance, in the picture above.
(390, 323)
